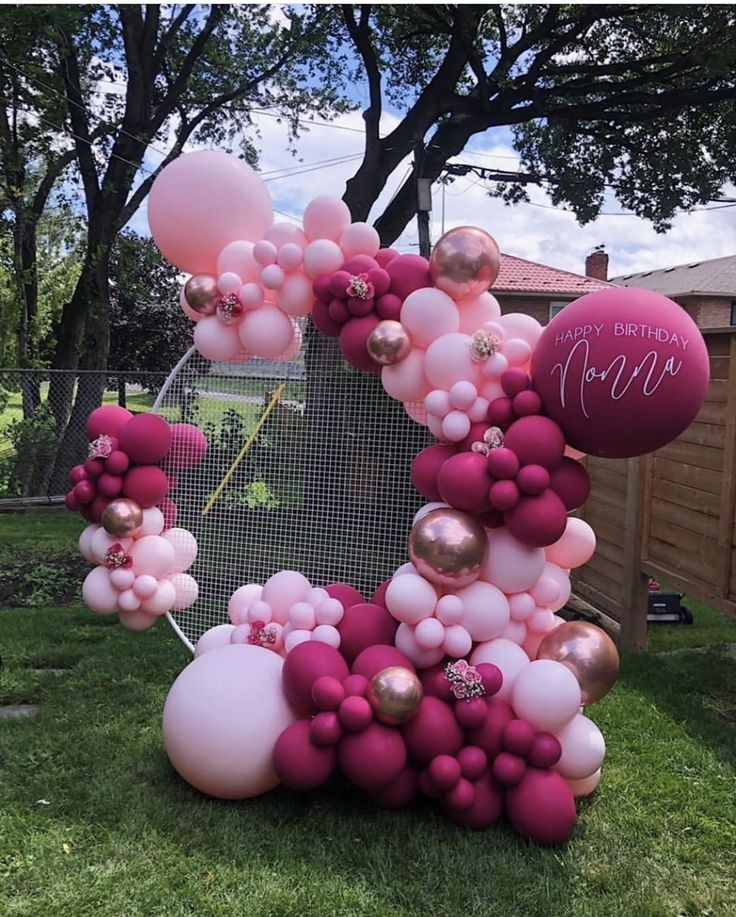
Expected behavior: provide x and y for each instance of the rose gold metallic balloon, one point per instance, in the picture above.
(201, 294)
(395, 694)
(122, 517)
(447, 547)
(588, 652)
(464, 262)
(388, 343)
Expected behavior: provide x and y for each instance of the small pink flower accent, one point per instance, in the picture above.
(115, 558)
(464, 679)
(261, 633)
(229, 308)
(484, 346)
(100, 447)
(360, 287)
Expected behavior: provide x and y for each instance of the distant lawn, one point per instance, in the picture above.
(96, 822)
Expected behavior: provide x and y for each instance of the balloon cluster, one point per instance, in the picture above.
(141, 575)
(131, 466)
(457, 680)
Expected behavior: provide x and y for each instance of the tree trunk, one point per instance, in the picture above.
(24, 252)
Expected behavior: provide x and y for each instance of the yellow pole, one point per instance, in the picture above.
(248, 443)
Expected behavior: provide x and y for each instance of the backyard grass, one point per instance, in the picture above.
(94, 820)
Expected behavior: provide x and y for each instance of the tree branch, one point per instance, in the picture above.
(360, 33)
(170, 34)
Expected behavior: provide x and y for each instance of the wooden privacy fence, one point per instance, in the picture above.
(669, 515)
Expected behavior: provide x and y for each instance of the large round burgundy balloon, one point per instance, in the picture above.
(542, 807)
(571, 482)
(463, 482)
(425, 468)
(374, 758)
(322, 320)
(408, 273)
(433, 731)
(353, 343)
(536, 441)
(146, 484)
(303, 666)
(376, 658)
(188, 447)
(300, 764)
(538, 521)
(345, 594)
(146, 438)
(108, 420)
(623, 371)
(362, 626)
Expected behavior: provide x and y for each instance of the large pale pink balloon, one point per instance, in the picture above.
(293, 349)
(405, 381)
(283, 590)
(322, 257)
(295, 296)
(547, 695)
(187, 591)
(85, 543)
(216, 341)
(448, 360)
(575, 547)
(154, 555)
(583, 749)
(101, 541)
(222, 718)
(98, 593)
(185, 548)
(510, 565)
(241, 600)
(485, 610)
(507, 656)
(410, 598)
(237, 258)
(520, 325)
(474, 313)
(326, 217)
(359, 239)
(213, 639)
(428, 313)
(162, 600)
(266, 332)
(203, 201)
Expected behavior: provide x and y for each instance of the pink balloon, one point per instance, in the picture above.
(296, 296)
(547, 695)
(213, 639)
(188, 447)
(222, 719)
(485, 610)
(410, 598)
(510, 565)
(326, 217)
(428, 313)
(575, 547)
(203, 201)
(229, 282)
(293, 349)
(216, 341)
(98, 592)
(237, 258)
(128, 601)
(153, 555)
(448, 359)
(241, 600)
(622, 370)
(586, 786)
(162, 600)
(522, 326)
(405, 381)
(290, 256)
(85, 543)
(322, 257)
(136, 621)
(186, 589)
(474, 313)
(406, 641)
(185, 548)
(101, 541)
(284, 233)
(283, 590)
(506, 655)
(359, 239)
(345, 594)
(583, 749)
(266, 332)
(144, 586)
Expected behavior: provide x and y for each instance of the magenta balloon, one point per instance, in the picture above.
(353, 338)
(356, 685)
(170, 512)
(500, 412)
(328, 692)
(444, 771)
(71, 502)
(514, 381)
(503, 463)
(379, 596)
(508, 769)
(408, 273)
(117, 462)
(426, 467)
(203, 201)
(471, 713)
(146, 438)
(355, 714)
(376, 658)
(325, 729)
(486, 808)
(300, 764)
(546, 750)
(345, 594)
(374, 758)
(388, 306)
(542, 807)
(94, 467)
(518, 737)
(436, 684)
(146, 484)
(322, 288)
(433, 731)
(533, 479)
(463, 482)
(473, 761)
(399, 792)
(526, 403)
(571, 482)
(362, 626)
(537, 521)
(460, 797)
(304, 665)
(109, 419)
(536, 441)
(489, 736)
(84, 491)
(384, 255)
(110, 485)
(623, 371)
(322, 320)
(188, 447)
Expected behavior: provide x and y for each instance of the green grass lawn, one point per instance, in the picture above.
(94, 820)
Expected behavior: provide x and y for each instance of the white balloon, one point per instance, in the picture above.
(485, 610)
(410, 598)
(507, 656)
(547, 694)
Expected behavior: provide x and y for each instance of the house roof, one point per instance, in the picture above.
(716, 276)
(517, 275)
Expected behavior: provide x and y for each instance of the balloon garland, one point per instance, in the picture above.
(457, 680)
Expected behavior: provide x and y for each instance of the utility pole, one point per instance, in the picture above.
(424, 200)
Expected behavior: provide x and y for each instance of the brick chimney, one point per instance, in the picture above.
(596, 264)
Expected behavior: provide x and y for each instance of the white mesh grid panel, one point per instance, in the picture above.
(325, 489)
